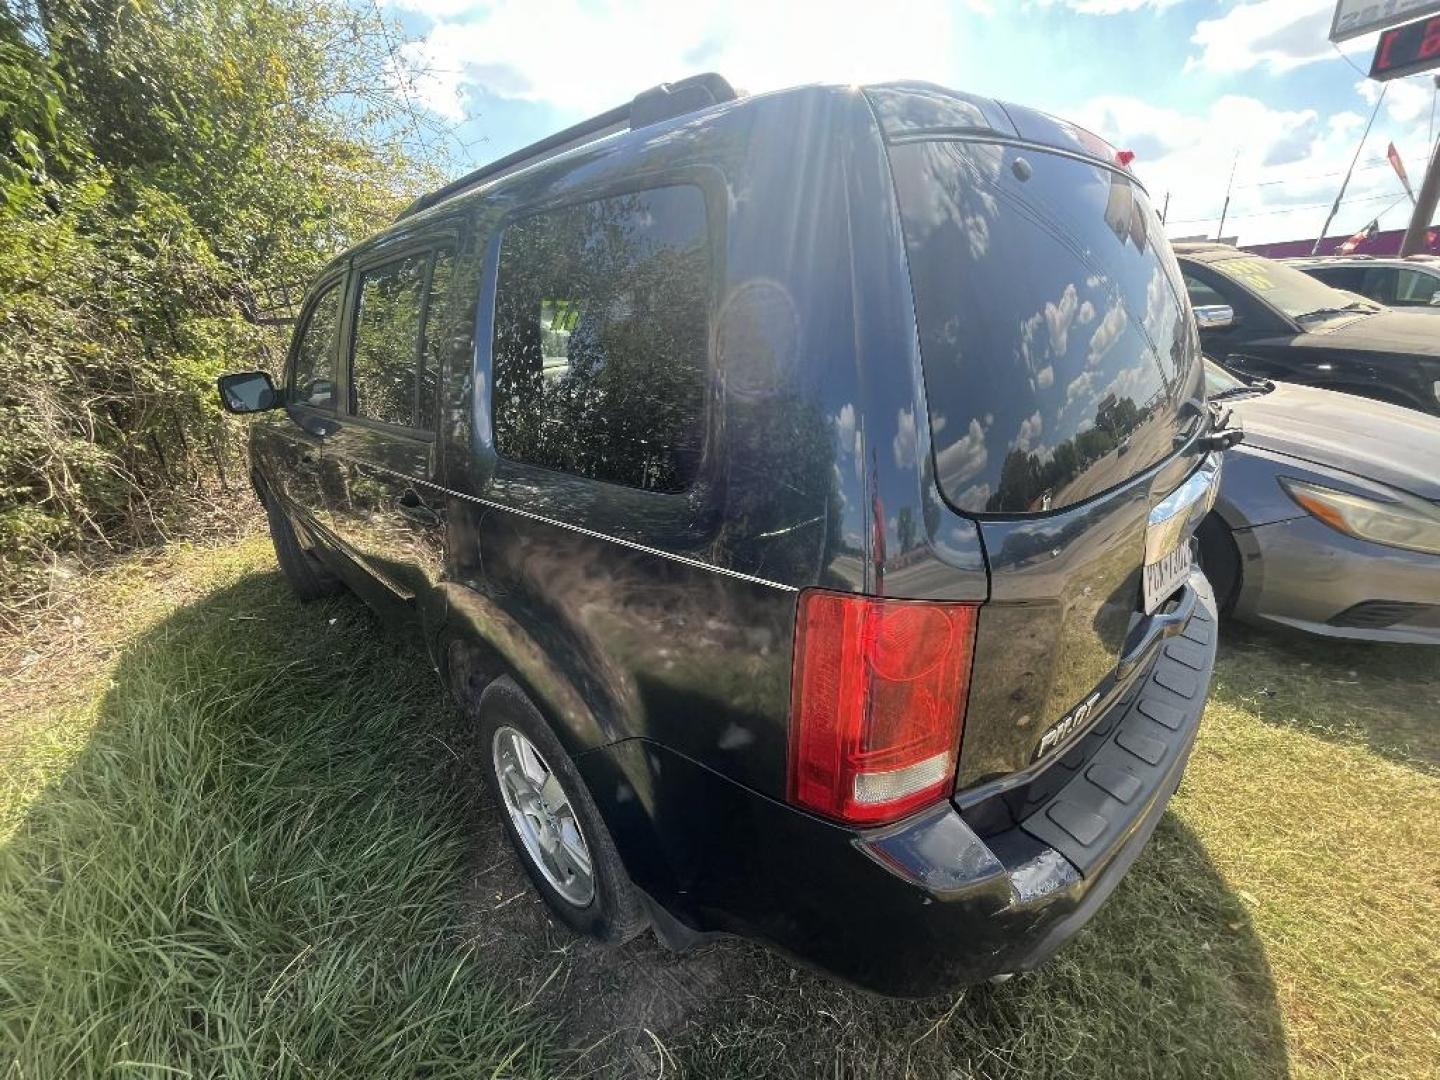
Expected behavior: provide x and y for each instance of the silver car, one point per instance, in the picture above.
(1328, 518)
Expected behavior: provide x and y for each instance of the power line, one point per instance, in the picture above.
(1283, 209)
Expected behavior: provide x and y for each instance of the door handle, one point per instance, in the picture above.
(413, 507)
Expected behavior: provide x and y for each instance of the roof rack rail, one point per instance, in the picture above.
(662, 102)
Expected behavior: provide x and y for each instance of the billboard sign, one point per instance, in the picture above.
(1356, 17)
(1404, 50)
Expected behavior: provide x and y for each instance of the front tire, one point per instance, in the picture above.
(1220, 560)
(552, 821)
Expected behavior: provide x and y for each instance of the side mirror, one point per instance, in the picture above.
(1435, 299)
(1215, 316)
(247, 392)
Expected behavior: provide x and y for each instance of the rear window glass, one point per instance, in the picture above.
(1055, 336)
(601, 338)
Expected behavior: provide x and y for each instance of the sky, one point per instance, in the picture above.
(1193, 87)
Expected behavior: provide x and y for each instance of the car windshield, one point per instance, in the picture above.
(1295, 293)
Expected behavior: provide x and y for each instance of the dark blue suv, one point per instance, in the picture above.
(797, 492)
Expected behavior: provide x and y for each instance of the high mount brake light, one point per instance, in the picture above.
(877, 703)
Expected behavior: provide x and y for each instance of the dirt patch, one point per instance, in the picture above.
(619, 1009)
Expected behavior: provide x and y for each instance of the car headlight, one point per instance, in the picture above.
(1402, 521)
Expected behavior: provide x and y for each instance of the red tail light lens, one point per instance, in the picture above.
(877, 703)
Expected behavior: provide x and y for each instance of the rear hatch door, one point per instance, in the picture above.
(1063, 380)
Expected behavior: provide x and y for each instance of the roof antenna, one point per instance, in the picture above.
(1220, 229)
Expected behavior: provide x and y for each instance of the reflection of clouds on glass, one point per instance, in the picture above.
(1094, 281)
(1079, 388)
(903, 445)
(1031, 429)
(1127, 383)
(1086, 315)
(975, 495)
(1160, 305)
(965, 459)
(1045, 377)
(845, 427)
(1058, 318)
(1106, 334)
(967, 207)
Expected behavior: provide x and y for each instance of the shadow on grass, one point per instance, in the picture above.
(272, 858)
(1385, 697)
(252, 867)
(1169, 980)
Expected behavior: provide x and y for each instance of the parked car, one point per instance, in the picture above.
(1328, 518)
(797, 492)
(1267, 319)
(1413, 281)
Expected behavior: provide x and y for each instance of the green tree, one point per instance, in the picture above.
(161, 166)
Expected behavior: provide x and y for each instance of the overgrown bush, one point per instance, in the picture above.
(161, 165)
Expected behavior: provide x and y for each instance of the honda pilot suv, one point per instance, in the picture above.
(796, 491)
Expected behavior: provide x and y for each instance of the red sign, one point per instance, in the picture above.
(1399, 167)
(1407, 49)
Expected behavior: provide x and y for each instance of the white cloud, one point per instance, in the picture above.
(1277, 34)
(584, 58)
(1290, 161)
(1107, 7)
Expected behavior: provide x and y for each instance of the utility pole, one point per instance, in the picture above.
(1164, 213)
(1339, 195)
(1424, 211)
(1424, 207)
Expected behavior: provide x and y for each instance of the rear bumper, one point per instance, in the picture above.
(925, 905)
(1302, 574)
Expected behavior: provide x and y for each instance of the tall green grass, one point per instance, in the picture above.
(252, 866)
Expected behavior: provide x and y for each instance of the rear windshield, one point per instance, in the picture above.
(1056, 338)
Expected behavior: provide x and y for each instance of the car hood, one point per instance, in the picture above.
(1388, 443)
(1412, 333)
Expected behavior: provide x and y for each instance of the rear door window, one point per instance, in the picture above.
(1378, 284)
(385, 356)
(601, 332)
(1415, 287)
(1056, 339)
(1342, 277)
(313, 380)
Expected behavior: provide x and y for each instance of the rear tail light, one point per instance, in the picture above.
(877, 703)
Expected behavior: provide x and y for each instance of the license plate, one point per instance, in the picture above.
(1166, 574)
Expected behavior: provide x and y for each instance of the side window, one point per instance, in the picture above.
(1201, 294)
(1415, 287)
(439, 328)
(601, 338)
(384, 365)
(313, 379)
(1342, 277)
(1378, 284)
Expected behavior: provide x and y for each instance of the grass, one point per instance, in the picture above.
(238, 841)
(237, 855)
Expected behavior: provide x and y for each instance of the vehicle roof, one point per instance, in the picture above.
(1210, 252)
(904, 110)
(1367, 260)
